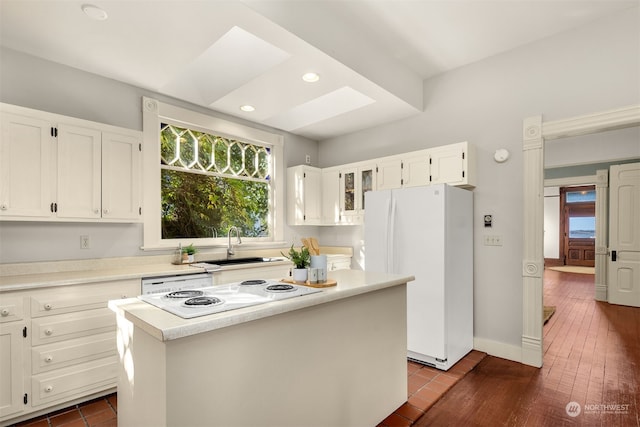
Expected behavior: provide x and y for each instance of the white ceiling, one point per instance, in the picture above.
(372, 55)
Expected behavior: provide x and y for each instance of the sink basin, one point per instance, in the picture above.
(234, 261)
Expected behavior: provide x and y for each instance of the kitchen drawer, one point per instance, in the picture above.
(76, 381)
(58, 355)
(11, 308)
(72, 325)
(67, 299)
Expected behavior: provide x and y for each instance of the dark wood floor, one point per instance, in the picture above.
(591, 357)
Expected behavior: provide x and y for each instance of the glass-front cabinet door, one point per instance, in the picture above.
(367, 182)
(348, 199)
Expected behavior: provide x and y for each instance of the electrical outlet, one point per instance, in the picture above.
(492, 240)
(307, 159)
(85, 242)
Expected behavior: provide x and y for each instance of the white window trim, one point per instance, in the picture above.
(153, 113)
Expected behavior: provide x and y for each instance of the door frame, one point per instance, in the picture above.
(565, 207)
(535, 132)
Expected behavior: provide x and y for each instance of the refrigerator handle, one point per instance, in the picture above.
(390, 239)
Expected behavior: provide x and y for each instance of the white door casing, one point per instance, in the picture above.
(535, 132)
(624, 235)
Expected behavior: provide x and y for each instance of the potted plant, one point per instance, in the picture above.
(189, 251)
(300, 260)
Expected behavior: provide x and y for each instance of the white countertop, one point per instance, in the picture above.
(165, 326)
(24, 276)
(63, 278)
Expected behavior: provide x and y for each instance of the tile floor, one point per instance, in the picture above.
(101, 412)
(425, 386)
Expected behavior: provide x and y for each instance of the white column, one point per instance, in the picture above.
(533, 252)
(602, 235)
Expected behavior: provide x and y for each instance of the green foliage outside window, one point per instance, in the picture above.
(210, 183)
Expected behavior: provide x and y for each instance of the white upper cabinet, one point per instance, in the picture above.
(65, 169)
(304, 195)
(341, 198)
(79, 172)
(389, 173)
(415, 169)
(330, 196)
(453, 164)
(121, 172)
(26, 179)
(348, 196)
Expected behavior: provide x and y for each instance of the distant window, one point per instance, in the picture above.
(581, 196)
(582, 227)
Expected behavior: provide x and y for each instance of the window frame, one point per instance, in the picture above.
(155, 112)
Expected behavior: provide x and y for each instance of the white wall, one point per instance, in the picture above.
(43, 85)
(586, 70)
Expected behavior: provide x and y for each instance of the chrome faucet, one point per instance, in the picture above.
(230, 251)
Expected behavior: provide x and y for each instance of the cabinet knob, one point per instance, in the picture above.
(105, 211)
(5, 312)
(48, 389)
(4, 207)
(48, 306)
(48, 358)
(96, 211)
(48, 331)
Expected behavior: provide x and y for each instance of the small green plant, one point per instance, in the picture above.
(189, 250)
(301, 258)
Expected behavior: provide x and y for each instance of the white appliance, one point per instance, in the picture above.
(186, 297)
(427, 232)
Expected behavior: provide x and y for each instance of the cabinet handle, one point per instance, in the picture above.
(48, 331)
(5, 312)
(48, 358)
(48, 306)
(48, 389)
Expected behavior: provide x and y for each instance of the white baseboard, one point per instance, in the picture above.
(498, 349)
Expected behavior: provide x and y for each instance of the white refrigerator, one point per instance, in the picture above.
(427, 232)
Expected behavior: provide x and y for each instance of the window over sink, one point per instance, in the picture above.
(210, 183)
(204, 175)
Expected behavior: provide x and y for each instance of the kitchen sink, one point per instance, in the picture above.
(235, 261)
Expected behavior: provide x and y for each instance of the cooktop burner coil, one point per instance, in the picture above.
(280, 287)
(200, 301)
(253, 282)
(185, 293)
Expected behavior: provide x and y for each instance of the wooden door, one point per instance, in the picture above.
(578, 225)
(624, 235)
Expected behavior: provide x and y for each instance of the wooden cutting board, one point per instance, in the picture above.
(327, 284)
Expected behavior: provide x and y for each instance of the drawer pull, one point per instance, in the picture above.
(48, 389)
(48, 331)
(48, 359)
(48, 306)
(5, 312)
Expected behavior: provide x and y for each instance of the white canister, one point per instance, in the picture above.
(313, 275)
(320, 263)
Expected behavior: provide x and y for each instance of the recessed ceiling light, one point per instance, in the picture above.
(247, 108)
(94, 12)
(311, 77)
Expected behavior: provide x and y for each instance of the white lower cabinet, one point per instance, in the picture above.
(57, 345)
(72, 382)
(12, 390)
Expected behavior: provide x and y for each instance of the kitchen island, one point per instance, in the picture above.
(333, 358)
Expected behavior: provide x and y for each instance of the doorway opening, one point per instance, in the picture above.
(578, 226)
